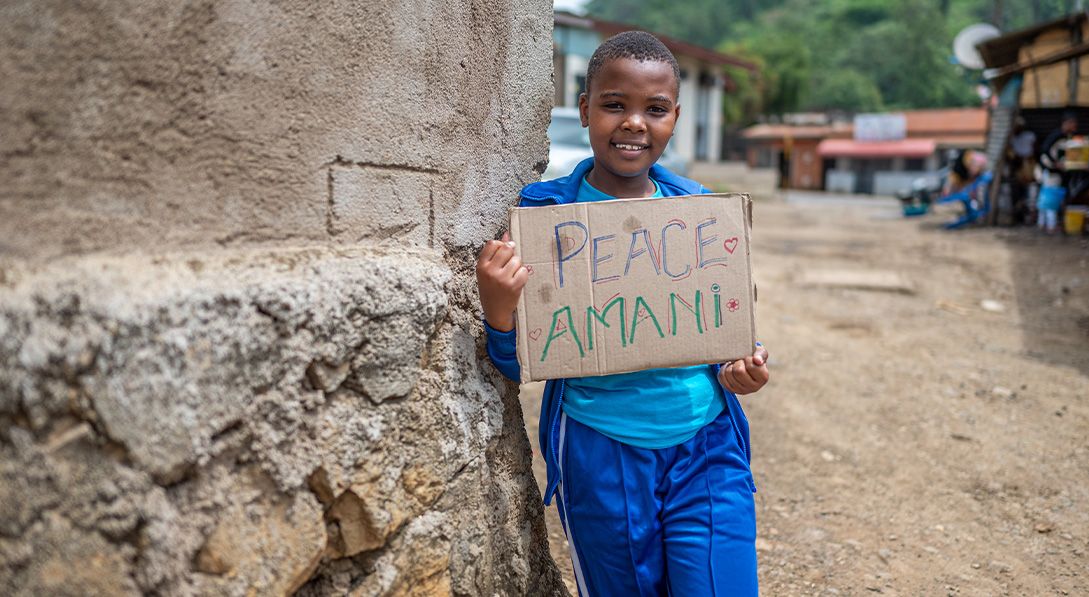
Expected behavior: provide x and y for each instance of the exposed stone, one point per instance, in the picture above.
(355, 527)
(326, 377)
(66, 562)
(271, 545)
(240, 345)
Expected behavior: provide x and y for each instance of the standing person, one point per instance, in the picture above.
(650, 470)
(1021, 160)
(1053, 186)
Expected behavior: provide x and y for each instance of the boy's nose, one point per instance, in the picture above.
(635, 123)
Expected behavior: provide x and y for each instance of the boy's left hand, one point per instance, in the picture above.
(747, 375)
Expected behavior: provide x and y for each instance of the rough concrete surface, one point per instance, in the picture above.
(240, 345)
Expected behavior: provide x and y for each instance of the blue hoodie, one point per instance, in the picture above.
(502, 346)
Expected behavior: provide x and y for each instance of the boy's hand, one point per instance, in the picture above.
(745, 376)
(500, 278)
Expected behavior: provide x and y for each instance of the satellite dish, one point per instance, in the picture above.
(964, 44)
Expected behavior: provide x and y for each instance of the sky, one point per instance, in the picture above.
(574, 6)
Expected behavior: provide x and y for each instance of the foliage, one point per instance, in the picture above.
(853, 55)
(846, 89)
(702, 22)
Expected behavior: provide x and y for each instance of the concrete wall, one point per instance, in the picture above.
(240, 345)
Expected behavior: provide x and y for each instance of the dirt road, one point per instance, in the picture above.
(926, 430)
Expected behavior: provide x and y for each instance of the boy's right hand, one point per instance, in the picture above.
(500, 277)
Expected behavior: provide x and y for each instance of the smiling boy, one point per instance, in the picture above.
(650, 469)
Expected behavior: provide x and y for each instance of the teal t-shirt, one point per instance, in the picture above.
(655, 408)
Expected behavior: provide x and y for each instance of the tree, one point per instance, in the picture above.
(846, 89)
(702, 22)
(913, 70)
(855, 55)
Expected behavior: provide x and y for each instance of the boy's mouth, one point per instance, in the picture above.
(630, 146)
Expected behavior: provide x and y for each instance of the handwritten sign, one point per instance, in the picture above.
(634, 284)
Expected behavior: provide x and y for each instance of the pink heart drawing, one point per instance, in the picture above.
(529, 270)
(535, 334)
(730, 245)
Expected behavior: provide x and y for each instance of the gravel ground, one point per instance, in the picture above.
(927, 438)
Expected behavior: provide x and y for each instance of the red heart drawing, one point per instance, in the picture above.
(730, 245)
(529, 270)
(535, 333)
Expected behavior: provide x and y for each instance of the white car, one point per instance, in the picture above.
(570, 144)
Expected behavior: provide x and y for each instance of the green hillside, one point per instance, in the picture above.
(852, 55)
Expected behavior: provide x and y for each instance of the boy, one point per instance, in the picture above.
(650, 469)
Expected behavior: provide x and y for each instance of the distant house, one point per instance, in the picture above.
(698, 136)
(875, 153)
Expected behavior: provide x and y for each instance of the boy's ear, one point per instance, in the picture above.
(584, 110)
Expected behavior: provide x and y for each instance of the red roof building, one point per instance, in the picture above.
(834, 157)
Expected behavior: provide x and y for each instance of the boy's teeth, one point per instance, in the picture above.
(625, 146)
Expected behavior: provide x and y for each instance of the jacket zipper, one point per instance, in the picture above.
(554, 432)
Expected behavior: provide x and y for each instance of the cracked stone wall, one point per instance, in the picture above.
(240, 347)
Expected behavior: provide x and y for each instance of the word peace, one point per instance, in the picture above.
(603, 267)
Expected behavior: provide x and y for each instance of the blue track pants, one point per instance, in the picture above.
(678, 521)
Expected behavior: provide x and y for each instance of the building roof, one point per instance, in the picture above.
(1003, 50)
(946, 121)
(781, 131)
(946, 127)
(903, 148)
(609, 29)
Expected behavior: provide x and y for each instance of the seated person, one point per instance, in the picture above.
(965, 169)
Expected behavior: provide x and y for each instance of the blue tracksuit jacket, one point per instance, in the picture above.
(502, 346)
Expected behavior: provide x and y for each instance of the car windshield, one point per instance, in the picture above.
(566, 130)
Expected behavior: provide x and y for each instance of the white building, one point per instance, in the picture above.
(698, 136)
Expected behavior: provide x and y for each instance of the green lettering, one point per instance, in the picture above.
(693, 310)
(591, 314)
(570, 328)
(635, 319)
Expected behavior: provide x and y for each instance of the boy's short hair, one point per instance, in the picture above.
(639, 45)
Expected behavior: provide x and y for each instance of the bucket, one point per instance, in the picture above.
(1074, 220)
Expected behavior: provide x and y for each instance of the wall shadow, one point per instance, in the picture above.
(1050, 275)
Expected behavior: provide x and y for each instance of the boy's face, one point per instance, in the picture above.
(630, 108)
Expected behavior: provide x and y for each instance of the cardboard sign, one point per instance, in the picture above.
(634, 284)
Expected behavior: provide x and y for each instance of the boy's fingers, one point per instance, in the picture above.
(512, 266)
(500, 253)
(520, 278)
(744, 376)
(506, 237)
(760, 356)
(490, 249)
(733, 383)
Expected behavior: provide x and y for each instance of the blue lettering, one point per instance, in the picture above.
(559, 245)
